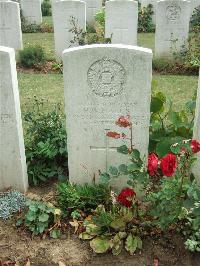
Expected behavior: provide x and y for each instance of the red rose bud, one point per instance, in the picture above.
(123, 121)
(126, 197)
(195, 146)
(168, 164)
(152, 164)
(114, 135)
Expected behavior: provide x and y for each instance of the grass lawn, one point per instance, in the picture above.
(51, 88)
(46, 40)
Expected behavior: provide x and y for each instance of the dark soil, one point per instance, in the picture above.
(17, 247)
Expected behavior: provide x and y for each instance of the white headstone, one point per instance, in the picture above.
(63, 12)
(172, 26)
(12, 160)
(196, 136)
(111, 81)
(10, 25)
(92, 7)
(121, 20)
(32, 11)
(194, 4)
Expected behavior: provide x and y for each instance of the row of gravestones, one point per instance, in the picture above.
(102, 82)
(144, 3)
(32, 11)
(172, 23)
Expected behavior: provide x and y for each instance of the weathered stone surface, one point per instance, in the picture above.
(121, 21)
(10, 25)
(92, 7)
(12, 154)
(63, 12)
(110, 81)
(172, 26)
(32, 11)
(197, 132)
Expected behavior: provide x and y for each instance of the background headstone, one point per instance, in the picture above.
(121, 20)
(12, 154)
(92, 7)
(63, 11)
(196, 136)
(111, 81)
(172, 26)
(32, 11)
(10, 25)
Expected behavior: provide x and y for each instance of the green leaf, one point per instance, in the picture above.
(104, 178)
(123, 169)
(135, 154)
(43, 217)
(85, 236)
(133, 167)
(164, 146)
(31, 216)
(93, 229)
(156, 105)
(176, 149)
(19, 222)
(132, 243)
(118, 224)
(100, 245)
(123, 149)
(41, 227)
(55, 233)
(113, 171)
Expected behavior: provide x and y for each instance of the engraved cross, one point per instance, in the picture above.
(105, 148)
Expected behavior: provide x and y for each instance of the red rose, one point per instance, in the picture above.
(114, 135)
(195, 146)
(152, 164)
(123, 121)
(126, 197)
(168, 164)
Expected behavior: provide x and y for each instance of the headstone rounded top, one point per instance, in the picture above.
(107, 46)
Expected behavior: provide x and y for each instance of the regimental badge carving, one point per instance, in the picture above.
(173, 12)
(106, 78)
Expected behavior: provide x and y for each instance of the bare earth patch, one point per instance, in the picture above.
(18, 247)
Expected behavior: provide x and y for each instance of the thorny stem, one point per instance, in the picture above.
(131, 139)
(163, 126)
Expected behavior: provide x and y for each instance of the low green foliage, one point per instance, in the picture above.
(145, 23)
(135, 170)
(92, 35)
(46, 8)
(32, 56)
(168, 126)
(192, 228)
(84, 197)
(27, 27)
(46, 143)
(189, 56)
(41, 218)
(112, 230)
(195, 19)
(100, 18)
